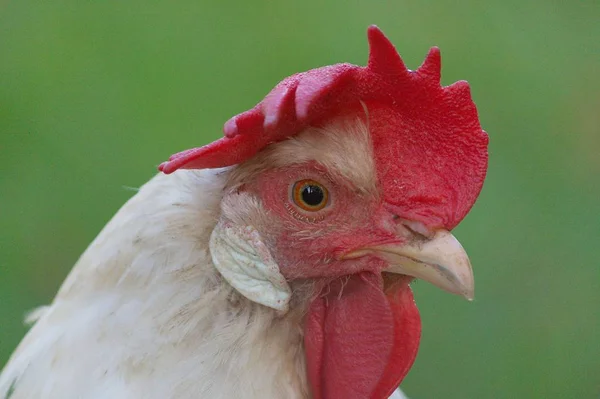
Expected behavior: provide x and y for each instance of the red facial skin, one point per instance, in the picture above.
(312, 249)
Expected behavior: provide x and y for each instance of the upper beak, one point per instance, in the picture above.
(440, 260)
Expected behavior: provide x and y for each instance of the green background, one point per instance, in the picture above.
(93, 95)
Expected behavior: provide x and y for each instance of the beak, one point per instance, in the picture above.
(440, 260)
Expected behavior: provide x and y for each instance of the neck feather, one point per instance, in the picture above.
(149, 277)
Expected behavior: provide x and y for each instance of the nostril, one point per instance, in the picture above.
(417, 228)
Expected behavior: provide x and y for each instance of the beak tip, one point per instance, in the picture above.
(468, 290)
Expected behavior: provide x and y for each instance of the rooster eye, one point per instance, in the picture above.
(310, 195)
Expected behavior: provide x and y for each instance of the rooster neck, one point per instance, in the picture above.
(144, 313)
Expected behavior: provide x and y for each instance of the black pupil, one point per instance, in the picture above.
(312, 195)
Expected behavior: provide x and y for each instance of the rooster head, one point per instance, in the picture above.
(349, 179)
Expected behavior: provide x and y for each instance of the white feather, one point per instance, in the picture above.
(144, 314)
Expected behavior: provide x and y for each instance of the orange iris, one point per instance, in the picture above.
(310, 195)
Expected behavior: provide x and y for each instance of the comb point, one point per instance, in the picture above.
(383, 57)
(432, 66)
(460, 93)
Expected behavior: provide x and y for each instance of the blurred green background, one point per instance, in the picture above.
(93, 95)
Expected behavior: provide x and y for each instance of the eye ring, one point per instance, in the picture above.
(310, 195)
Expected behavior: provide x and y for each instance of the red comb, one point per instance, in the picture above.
(430, 150)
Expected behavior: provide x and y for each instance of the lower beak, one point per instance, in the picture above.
(440, 260)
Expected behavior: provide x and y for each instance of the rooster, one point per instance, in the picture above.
(275, 262)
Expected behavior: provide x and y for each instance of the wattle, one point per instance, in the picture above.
(360, 342)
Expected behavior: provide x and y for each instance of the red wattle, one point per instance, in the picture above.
(359, 342)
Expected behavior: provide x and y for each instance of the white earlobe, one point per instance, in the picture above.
(242, 258)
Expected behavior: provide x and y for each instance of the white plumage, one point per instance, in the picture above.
(154, 318)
